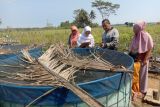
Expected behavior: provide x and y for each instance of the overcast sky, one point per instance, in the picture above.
(36, 13)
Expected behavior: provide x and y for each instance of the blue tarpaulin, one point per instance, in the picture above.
(97, 88)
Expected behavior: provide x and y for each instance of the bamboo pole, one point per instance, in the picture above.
(46, 93)
(88, 99)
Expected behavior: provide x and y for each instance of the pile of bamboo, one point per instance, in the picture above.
(60, 60)
(56, 67)
(62, 72)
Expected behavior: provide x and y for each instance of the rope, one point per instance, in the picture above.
(46, 93)
(119, 88)
(130, 76)
(125, 87)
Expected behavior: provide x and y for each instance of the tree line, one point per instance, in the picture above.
(83, 18)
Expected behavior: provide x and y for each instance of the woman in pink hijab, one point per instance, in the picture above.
(72, 41)
(142, 44)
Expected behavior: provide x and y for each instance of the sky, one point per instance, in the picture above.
(36, 13)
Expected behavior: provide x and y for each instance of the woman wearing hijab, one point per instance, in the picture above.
(142, 44)
(72, 41)
(86, 39)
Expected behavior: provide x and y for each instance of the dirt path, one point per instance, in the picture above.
(153, 82)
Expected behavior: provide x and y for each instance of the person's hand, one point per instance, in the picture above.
(85, 44)
(102, 45)
(74, 43)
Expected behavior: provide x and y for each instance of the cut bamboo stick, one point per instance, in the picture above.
(88, 99)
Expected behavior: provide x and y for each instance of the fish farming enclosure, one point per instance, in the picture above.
(63, 77)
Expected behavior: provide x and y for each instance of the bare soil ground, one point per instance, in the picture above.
(154, 83)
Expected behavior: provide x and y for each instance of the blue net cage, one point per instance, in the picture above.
(109, 88)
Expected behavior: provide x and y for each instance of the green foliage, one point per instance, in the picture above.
(92, 15)
(126, 35)
(50, 36)
(81, 18)
(94, 25)
(105, 8)
(38, 36)
(65, 24)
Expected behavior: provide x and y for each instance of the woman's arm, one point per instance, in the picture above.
(147, 56)
(92, 43)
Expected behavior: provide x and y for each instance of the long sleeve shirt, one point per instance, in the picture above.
(83, 39)
(110, 39)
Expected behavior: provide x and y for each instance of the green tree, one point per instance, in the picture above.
(65, 24)
(92, 15)
(82, 18)
(105, 8)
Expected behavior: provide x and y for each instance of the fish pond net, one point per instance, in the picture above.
(31, 73)
(77, 65)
